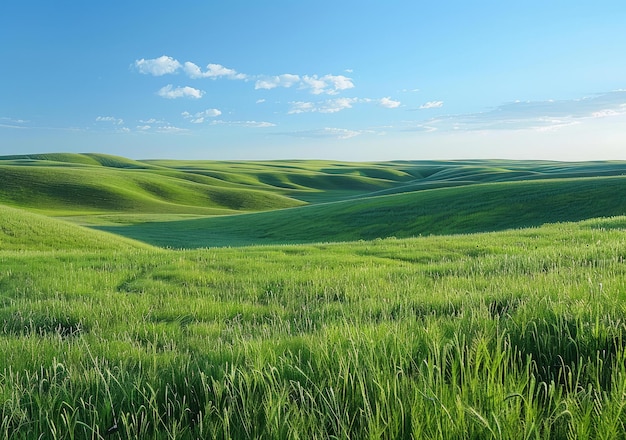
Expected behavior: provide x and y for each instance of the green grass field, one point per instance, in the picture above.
(465, 209)
(103, 189)
(504, 320)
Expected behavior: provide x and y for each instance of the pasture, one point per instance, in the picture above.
(505, 323)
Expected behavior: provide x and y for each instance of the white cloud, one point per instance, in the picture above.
(170, 92)
(15, 121)
(327, 84)
(12, 123)
(271, 82)
(301, 107)
(253, 124)
(115, 121)
(431, 104)
(339, 82)
(328, 106)
(341, 133)
(260, 101)
(167, 65)
(387, 102)
(213, 71)
(199, 117)
(158, 66)
(170, 129)
(317, 85)
(606, 112)
(336, 105)
(539, 116)
(262, 124)
(327, 132)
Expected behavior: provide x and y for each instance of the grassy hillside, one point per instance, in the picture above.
(24, 231)
(73, 159)
(97, 190)
(465, 209)
(516, 334)
(498, 335)
(324, 181)
(104, 186)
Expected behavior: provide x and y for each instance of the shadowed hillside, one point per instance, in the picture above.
(372, 199)
(466, 209)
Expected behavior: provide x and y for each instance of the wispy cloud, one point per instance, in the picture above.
(213, 71)
(271, 82)
(546, 115)
(12, 123)
(328, 106)
(317, 85)
(153, 125)
(337, 104)
(200, 117)
(170, 92)
(158, 66)
(170, 129)
(301, 107)
(167, 65)
(151, 121)
(252, 124)
(431, 104)
(387, 102)
(327, 84)
(116, 121)
(327, 132)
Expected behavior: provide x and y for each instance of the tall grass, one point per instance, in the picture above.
(506, 335)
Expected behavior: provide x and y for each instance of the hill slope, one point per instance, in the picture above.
(472, 208)
(95, 189)
(97, 185)
(24, 231)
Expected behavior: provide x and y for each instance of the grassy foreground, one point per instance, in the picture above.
(516, 334)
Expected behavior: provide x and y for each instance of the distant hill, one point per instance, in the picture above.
(465, 209)
(345, 200)
(82, 187)
(68, 159)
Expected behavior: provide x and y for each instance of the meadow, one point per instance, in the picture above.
(504, 331)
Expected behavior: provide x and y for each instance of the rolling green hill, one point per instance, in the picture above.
(466, 209)
(95, 184)
(74, 159)
(97, 190)
(25, 231)
(507, 334)
(347, 200)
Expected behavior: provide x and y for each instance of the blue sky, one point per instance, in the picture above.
(346, 80)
